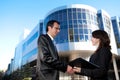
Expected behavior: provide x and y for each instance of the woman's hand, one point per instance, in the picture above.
(77, 69)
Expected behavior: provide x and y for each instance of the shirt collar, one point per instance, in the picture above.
(50, 37)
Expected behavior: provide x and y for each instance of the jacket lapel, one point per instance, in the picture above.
(52, 47)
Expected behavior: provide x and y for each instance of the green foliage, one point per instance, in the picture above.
(1, 74)
(16, 75)
(26, 70)
(20, 74)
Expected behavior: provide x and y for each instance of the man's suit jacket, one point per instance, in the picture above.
(48, 63)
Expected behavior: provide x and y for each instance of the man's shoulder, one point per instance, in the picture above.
(41, 36)
(44, 36)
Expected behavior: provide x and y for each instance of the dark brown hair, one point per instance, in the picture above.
(104, 39)
(51, 24)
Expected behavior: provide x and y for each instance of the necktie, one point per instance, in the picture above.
(54, 44)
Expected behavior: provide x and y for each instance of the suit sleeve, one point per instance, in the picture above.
(50, 58)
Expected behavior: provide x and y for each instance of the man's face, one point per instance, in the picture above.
(53, 31)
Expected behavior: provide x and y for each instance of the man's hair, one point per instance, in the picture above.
(51, 23)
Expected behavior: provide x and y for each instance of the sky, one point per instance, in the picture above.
(17, 15)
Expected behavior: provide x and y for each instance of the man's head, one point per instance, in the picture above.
(53, 28)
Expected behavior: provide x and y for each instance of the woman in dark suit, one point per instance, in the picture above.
(48, 63)
(101, 57)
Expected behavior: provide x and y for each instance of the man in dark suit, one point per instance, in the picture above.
(48, 63)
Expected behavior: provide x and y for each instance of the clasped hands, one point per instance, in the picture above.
(72, 70)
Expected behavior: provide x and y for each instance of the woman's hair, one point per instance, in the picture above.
(104, 39)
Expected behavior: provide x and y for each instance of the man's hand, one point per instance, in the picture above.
(70, 70)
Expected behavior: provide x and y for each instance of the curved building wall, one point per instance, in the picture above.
(76, 23)
(104, 22)
(116, 27)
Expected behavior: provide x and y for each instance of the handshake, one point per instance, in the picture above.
(76, 65)
(72, 70)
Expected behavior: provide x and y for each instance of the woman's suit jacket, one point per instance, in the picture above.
(48, 63)
(102, 58)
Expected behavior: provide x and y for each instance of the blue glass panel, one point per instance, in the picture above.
(74, 10)
(76, 38)
(32, 38)
(78, 10)
(29, 41)
(30, 54)
(70, 26)
(70, 22)
(80, 31)
(86, 37)
(79, 16)
(83, 16)
(84, 22)
(85, 31)
(74, 16)
(75, 22)
(81, 37)
(76, 31)
(70, 16)
(79, 21)
(76, 26)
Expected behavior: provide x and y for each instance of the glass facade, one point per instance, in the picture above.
(104, 21)
(41, 31)
(76, 24)
(29, 47)
(18, 57)
(116, 25)
(25, 45)
(26, 57)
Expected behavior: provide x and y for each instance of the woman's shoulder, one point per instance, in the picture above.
(105, 50)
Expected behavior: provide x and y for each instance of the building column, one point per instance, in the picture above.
(115, 67)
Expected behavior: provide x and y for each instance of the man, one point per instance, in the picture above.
(48, 63)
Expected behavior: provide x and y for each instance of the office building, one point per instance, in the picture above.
(116, 27)
(77, 22)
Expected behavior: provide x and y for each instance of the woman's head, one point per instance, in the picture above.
(102, 38)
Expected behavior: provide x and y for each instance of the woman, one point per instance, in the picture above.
(101, 57)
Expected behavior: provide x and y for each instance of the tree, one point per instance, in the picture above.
(1, 74)
(27, 71)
